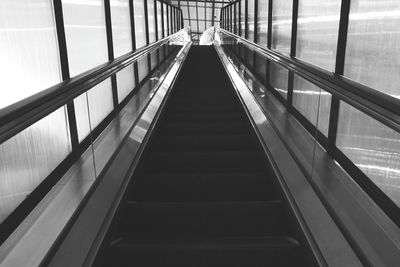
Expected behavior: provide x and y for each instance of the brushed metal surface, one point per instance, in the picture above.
(330, 246)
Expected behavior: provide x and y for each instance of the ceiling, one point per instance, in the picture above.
(200, 14)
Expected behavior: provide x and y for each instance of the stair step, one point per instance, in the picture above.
(219, 252)
(203, 161)
(204, 219)
(185, 128)
(203, 142)
(189, 187)
(204, 116)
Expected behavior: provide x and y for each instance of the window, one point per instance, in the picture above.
(121, 27)
(250, 16)
(372, 147)
(122, 43)
(373, 45)
(87, 48)
(312, 102)
(165, 20)
(282, 25)
(151, 20)
(159, 20)
(85, 30)
(262, 23)
(140, 25)
(30, 156)
(243, 17)
(317, 32)
(27, 33)
(278, 78)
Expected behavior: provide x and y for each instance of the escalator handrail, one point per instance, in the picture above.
(22, 114)
(378, 105)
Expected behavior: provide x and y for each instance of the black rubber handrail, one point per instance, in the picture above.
(22, 114)
(378, 105)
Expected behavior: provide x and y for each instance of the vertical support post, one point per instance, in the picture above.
(256, 21)
(269, 33)
(240, 18)
(168, 28)
(146, 20)
(246, 19)
(62, 48)
(234, 19)
(213, 13)
(110, 45)
(133, 36)
(295, 14)
(339, 69)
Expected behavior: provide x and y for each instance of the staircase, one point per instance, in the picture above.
(203, 195)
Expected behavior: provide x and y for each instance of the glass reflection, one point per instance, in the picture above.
(262, 22)
(243, 17)
(27, 33)
(121, 27)
(151, 21)
(159, 20)
(372, 147)
(373, 45)
(99, 101)
(250, 17)
(29, 157)
(125, 82)
(140, 26)
(278, 78)
(317, 32)
(165, 19)
(282, 25)
(85, 32)
(312, 102)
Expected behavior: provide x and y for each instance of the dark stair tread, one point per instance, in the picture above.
(190, 187)
(184, 128)
(202, 219)
(249, 252)
(220, 117)
(204, 161)
(203, 142)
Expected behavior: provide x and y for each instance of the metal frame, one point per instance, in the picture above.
(19, 116)
(375, 104)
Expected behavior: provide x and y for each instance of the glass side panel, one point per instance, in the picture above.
(151, 20)
(372, 147)
(278, 78)
(262, 23)
(243, 17)
(250, 17)
(125, 82)
(261, 67)
(140, 25)
(27, 33)
(159, 20)
(143, 68)
(317, 32)
(282, 25)
(312, 102)
(121, 27)
(165, 20)
(85, 32)
(373, 45)
(29, 157)
(99, 102)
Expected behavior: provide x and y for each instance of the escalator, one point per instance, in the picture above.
(203, 194)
